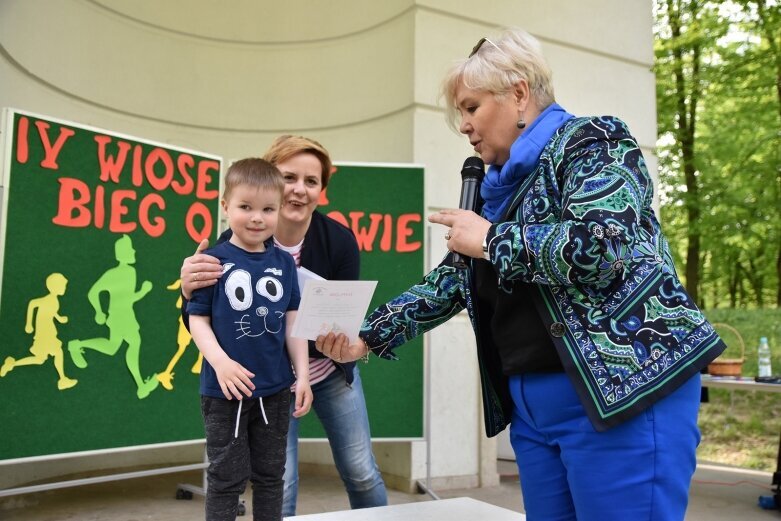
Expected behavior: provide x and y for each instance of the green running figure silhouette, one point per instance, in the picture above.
(183, 338)
(46, 311)
(120, 283)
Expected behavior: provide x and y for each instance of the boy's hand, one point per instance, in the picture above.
(234, 379)
(303, 399)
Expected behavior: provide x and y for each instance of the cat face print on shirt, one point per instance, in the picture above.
(252, 299)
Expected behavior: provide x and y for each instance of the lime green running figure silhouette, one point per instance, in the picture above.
(183, 338)
(46, 311)
(120, 283)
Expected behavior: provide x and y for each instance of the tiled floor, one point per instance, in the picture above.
(717, 494)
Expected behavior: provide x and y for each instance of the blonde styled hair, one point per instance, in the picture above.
(497, 66)
(287, 146)
(254, 172)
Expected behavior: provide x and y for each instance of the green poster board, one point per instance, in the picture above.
(72, 196)
(84, 212)
(383, 205)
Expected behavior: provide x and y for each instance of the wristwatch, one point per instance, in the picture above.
(486, 255)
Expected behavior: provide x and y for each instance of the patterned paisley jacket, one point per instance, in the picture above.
(581, 229)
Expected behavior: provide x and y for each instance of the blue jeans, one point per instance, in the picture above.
(639, 469)
(341, 409)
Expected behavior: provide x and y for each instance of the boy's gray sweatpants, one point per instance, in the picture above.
(245, 440)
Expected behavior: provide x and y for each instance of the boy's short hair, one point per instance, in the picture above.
(253, 171)
(286, 146)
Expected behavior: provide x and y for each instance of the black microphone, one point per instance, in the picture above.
(472, 174)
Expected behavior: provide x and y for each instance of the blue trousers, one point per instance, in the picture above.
(638, 470)
(341, 409)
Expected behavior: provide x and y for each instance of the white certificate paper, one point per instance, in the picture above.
(332, 305)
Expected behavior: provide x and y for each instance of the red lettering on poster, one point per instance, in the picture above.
(159, 155)
(111, 166)
(204, 178)
(22, 146)
(157, 228)
(403, 231)
(72, 208)
(183, 163)
(387, 231)
(118, 210)
(50, 152)
(137, 176)
(196, 210)
(322, 200)
(77, 208)
(367, 238)
(338, 217)
(100, 207)
(81, 203)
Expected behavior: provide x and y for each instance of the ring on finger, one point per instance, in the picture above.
(195, 276)
(447, 236)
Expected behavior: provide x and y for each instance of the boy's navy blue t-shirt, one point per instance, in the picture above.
(247, 308)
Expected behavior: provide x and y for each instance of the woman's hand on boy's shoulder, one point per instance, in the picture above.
(199, 270)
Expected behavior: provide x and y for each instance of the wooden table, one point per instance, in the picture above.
(744, 383)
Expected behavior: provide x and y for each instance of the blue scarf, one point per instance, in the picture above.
(502, 182)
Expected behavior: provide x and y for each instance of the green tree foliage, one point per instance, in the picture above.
(718, 70)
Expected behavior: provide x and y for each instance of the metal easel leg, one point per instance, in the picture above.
(774, 502)
(425, 487)
(777, 478)
(186, 491)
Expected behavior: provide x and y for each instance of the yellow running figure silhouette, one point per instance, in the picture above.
(183, 339)
(45, 341)
(120, 283)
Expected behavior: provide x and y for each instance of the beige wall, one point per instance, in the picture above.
(361, 77)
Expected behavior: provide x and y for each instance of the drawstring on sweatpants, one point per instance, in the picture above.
(238, 419)
(238, 416)
(262, 410)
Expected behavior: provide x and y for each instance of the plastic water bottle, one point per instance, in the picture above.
(764, 358)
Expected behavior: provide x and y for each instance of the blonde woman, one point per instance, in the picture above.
(589, 347)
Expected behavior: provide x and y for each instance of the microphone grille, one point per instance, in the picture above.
(473, 167)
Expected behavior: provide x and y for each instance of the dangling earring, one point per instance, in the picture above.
(521, 123)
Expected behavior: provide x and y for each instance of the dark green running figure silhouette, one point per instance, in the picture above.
(120, 283)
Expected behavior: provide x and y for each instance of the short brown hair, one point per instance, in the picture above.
(287, 146)
(253, 171)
